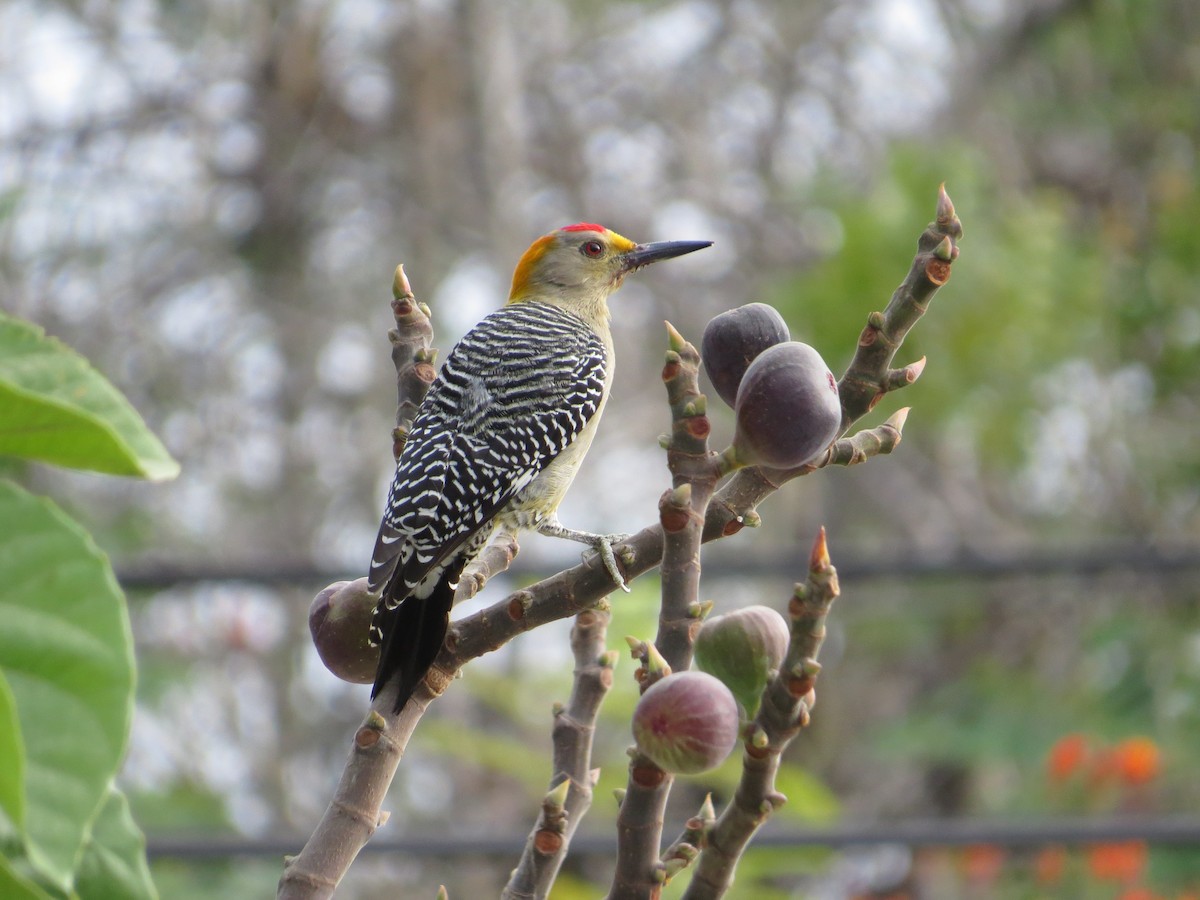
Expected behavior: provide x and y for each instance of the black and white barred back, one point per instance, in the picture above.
(513, 394)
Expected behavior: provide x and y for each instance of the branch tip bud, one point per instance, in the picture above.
(675, 508)
(675, 340)
(375, 720)
(818, 560)
(674, 866)
(655, 663)
(682, 495)
(400, 285)
(945, 206)
(728, 462)
(898, 418)
(758, 738)
(807, 668)
(556, 797)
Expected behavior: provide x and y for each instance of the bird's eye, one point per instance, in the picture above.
(594, 249)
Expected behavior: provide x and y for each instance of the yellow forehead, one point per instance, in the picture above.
(620, 242)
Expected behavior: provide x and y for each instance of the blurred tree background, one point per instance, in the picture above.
(208, 201)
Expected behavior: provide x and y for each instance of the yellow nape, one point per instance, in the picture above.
(526, 265)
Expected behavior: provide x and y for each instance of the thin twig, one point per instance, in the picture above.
(869, 375)
(412, 355)
(570, 795)
(785, 709)
(354, 813)
(495, 558)
(684, 850)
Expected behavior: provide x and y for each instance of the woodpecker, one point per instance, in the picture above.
(499, 438)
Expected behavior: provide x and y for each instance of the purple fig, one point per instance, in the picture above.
(733, 339)
(339, 620)
(742, 649)
(787, 408)
(686, 723)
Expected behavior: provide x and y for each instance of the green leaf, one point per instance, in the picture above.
(56, 408)
(66, 650)
(15, 887)
(12, 758)
(114, 856)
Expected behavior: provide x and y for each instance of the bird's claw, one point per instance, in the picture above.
(604, 547)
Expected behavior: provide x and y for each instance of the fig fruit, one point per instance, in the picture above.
(686, 723)
(742, 649)
(787, 408)
(339, 620)
(733, 339)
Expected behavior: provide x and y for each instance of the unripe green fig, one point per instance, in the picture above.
(733, 339)
(787, 408)
(339, 620)
(686, 723)
(742, 649)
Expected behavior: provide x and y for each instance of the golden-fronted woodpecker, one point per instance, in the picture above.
(500, 436)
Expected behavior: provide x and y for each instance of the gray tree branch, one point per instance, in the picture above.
(573, 779)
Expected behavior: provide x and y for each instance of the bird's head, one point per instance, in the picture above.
(578, 266)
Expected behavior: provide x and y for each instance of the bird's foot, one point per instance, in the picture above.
(603, 545)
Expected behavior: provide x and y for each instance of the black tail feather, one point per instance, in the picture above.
(413, 634)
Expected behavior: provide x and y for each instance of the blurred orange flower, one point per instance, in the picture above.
(1049, 865)
(1137, 760)
(1117, 862)
(1066, 756)
(983, 862)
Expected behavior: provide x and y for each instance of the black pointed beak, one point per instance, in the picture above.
(644, 254)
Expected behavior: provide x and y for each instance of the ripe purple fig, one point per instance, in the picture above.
(733, 339)
(686, 723)
(787, 408)
(742, 649)
(339, 620)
